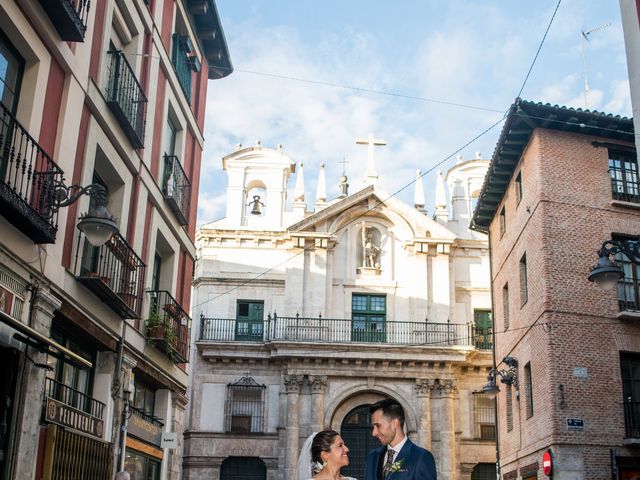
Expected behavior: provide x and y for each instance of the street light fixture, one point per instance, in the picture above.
(97, 224)
(507, 376)
(607, 273)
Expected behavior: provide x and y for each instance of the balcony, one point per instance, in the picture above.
(176, 188)
(184, 62)
(632, 422)
(69, 17)
(73, 398)
(146, 416)
(28, 176)
(330, 330)
(126, 98)
(168, 326)
(114, 273)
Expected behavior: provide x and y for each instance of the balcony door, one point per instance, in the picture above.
(630, 373)
(368, 318)
(11, 67)
(249, 320)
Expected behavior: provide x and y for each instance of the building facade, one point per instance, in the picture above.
(101, 129)
(302, 319)
(560, 183)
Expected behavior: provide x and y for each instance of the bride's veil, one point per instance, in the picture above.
(303, 472)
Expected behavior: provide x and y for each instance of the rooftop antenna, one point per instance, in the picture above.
(584, 35)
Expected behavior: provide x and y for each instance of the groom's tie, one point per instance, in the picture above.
(388, 463)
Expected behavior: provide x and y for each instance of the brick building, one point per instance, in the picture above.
(562, 181)
(110, 94)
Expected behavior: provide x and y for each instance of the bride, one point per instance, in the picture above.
(322, 456)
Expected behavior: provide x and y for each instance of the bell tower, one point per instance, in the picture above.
(257, 187)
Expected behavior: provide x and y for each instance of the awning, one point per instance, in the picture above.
(42, 342)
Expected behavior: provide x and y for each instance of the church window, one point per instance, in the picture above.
(485, 420)
(245, 406)
(623, 169)
(368, 318)
(249, 320)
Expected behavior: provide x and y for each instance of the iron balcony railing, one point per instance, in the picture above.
(332, 330)
(168, 326)
(176, 188)
(114, 273)
(28, 177)
(631, 419)
(147, 417)
(126, 98)
(182, 62)
(74, 398)
(69, 17)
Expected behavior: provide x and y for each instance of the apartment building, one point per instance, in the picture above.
(101, 136)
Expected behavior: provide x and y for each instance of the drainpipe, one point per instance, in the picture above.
(493, 351)
(115, 392)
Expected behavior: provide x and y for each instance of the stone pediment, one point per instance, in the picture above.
(372, 201)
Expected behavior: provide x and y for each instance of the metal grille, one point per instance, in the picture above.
(76, 457)
(623, 169)
(72, 397)
(176, 188)
(243, 468)
(485, 417)
(509, 396)
(245, 406)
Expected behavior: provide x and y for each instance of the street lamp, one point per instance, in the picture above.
(606, 273)
(507, 376)
(97, 224)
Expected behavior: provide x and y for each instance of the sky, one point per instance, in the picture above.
(426, 76)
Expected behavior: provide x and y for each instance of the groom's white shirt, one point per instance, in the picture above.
(397, 448)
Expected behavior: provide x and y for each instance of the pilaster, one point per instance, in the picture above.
(292, 384)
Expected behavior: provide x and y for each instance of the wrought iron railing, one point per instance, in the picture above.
(126, 98)
(168, 326)
(72, 397)
(332, 330)
(69, 17)
(182, 64)
(176, 188)
(115, 273)
(147, 417)
(631, 419)
(28, 176)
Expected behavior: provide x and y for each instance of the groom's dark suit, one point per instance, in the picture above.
(417, 464)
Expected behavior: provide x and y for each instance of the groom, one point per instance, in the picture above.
(398, 458)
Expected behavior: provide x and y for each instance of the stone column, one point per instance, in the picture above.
(423, 391)
(318, 385)
(292, 384)
(32, 385)
(445, 390)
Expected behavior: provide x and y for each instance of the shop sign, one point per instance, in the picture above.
(169, 440)
(67, 416)
(144, 430)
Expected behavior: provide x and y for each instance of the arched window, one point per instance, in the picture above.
(243, 468)
(484, 471)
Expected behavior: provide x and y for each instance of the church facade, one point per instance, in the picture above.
(305, 318)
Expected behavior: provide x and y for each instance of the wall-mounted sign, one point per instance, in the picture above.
(547, 463)
(58, 412)
(575, 424)
(144, 430)
(169, 440)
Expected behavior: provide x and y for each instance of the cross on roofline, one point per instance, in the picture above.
(372, 176)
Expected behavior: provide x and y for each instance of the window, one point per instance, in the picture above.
(170, 138)
(524, 288)
(245, 406)
(141, 467)
(249, 320)
(505, 306)
(528, 390)
(630, 373)
(503, 221)
(368, 318)
(623, 169)
(484, 471)
(629, 285)
(518, 185)
(509, 400)
(243, 468)
(484, 411)
(483, 332)
(144, 397)
(11, 68)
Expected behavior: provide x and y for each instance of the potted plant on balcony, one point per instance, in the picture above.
(155, 325)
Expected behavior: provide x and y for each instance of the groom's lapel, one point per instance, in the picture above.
(403, 455)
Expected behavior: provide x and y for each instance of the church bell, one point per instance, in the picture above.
(257, 205)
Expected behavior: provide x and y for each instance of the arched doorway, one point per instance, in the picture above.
(484, 471)
(243, 468)
(356, 433)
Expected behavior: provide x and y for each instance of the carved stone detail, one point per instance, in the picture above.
(318, 383)
(444, 386)
(424, 386)
(292, 383)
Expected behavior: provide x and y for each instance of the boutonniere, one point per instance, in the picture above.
(396, 466)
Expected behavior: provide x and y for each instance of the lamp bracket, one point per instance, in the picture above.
(630, 248)
(508, 376)
(66, 195)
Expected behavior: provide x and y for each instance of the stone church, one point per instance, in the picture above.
(304, 315)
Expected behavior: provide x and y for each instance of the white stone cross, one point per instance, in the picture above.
(372, 176)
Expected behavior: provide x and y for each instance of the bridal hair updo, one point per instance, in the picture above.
(321, 443)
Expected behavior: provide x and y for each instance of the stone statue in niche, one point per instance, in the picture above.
(370, 250)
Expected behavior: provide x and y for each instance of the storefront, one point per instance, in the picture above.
(143, 455)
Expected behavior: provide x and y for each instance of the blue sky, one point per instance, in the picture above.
(475, 53)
